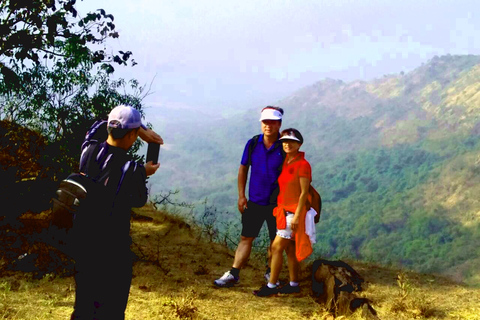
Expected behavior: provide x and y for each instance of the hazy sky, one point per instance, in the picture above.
(222, 53)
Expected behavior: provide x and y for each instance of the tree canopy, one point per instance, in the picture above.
(55, 73)
(36, 31)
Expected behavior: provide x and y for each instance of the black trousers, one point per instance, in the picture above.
(102, 285)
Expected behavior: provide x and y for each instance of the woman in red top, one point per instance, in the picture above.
(294, 182)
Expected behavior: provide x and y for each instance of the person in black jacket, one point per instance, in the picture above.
(100, 236)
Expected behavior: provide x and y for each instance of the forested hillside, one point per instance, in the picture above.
(397, 161)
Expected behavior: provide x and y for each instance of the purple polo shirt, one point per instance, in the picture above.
(264, 172)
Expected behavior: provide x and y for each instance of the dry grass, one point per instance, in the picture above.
(174, 280)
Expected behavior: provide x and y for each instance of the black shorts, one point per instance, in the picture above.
(253, 218)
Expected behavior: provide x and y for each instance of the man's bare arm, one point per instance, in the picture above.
(242, 184)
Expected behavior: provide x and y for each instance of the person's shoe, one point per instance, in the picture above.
(227, 280)
(288, 289)
(265, 291)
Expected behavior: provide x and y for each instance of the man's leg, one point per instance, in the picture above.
(243, 252)
(269, 255)
(252, 222)
(86, 282)
(272, 232)
(115, 288)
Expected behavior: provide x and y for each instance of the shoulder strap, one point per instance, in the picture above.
(90, 154)
(284, 154)
(251, 146)
(97, 176)
(278, 143)
(125, 173)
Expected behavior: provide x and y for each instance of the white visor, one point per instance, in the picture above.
(270, 114)
(290, 136)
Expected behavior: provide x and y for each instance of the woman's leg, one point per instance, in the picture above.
(293, 264)
(278, 246)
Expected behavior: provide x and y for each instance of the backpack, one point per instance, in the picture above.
(72, 198)
(75, 198)
(314, 199)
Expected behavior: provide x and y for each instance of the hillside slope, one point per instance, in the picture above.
(173, 279)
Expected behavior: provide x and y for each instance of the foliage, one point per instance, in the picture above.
(51, 30)
(52, 79)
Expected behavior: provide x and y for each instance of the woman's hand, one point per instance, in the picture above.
(294, 223)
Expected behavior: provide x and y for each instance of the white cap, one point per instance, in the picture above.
(125, 117)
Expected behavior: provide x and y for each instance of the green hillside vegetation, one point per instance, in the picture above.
(396, 160)
(173, 279)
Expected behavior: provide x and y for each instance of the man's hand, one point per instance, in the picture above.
(242, 204)
(149, 135)
(151, 168)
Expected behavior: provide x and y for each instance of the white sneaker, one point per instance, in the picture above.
(227, 280)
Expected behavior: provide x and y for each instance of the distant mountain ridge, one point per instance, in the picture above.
(440, 95)
(397, 161)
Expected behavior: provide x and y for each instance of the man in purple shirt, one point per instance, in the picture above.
(264, 155)
(100, 240)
